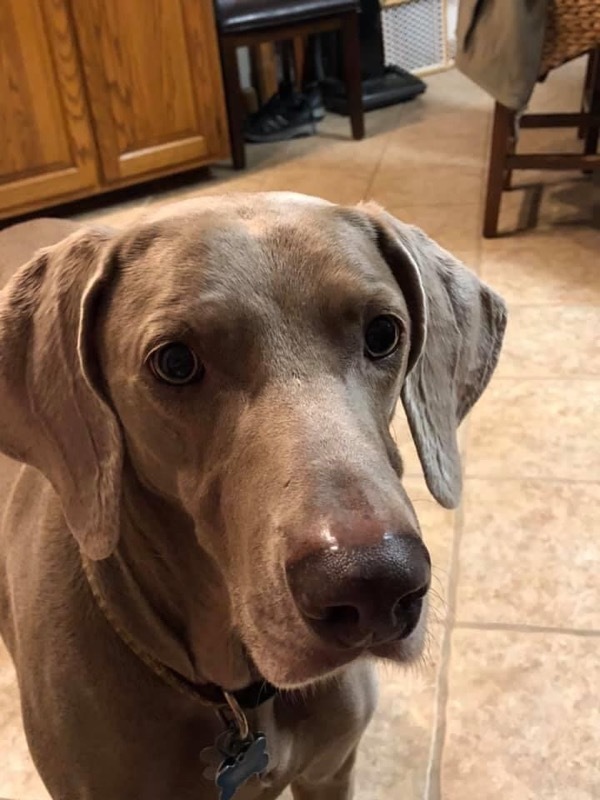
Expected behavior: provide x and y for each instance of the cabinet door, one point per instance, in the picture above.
(154, 81)
(46, 146)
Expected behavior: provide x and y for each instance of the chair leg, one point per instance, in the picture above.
(590, 144)
(351, 54)
(581, 130)
(233, 98)
(501, 142)
(511, 149)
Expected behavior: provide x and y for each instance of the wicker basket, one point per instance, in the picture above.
(572, 29)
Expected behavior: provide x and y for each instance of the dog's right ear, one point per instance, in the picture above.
(52, 412)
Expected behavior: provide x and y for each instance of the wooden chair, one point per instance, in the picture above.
(569, 34)
(250, 22)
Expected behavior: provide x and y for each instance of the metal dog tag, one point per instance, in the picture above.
(244, 759)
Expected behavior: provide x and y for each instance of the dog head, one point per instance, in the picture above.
(245, 355)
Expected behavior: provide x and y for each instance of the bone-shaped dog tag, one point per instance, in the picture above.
(250, 759)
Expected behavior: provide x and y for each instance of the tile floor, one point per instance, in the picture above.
(506, 704)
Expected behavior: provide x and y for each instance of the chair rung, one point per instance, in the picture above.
(559, 120)
(557, 161)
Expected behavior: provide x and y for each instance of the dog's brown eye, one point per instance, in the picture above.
(175, 363)
(382, 336)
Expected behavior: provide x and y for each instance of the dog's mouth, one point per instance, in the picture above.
(296, 661)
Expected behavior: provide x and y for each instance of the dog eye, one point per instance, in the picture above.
(382, 336)
(175, 363)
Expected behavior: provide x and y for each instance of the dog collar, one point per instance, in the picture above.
(240, 753)
(248, 699)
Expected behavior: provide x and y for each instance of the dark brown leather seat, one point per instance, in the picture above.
(243, 23)
(249, 15)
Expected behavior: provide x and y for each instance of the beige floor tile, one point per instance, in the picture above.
(530, 554)
(553, 267)
(523, 721)
(394, 753)
(217, 181)
(223, 180)
(119, 214)
(393, 118)
(545, 140)
(551, 342)
(536, 429)
(409, 184)
(337, 152)
(415, 150)
(263, 156)
(18, 777)
(452, 136)
(337, 185)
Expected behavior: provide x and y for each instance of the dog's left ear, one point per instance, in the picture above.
(458, 324)
(53, 415)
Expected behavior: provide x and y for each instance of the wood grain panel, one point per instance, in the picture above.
(150, 68)
(46, 145)
(97, 94)
(205, 74)
(263, 58)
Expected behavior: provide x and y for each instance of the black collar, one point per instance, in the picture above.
(249, 698)
(254, 695)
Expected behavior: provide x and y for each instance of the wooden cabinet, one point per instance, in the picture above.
(150, 70)
(46, 143)
(95, 94)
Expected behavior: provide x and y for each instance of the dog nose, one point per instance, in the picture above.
(363, 596)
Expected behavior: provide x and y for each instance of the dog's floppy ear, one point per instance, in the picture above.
(52, 413)
(458, 325)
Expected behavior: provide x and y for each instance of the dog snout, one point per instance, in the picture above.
(362, 596)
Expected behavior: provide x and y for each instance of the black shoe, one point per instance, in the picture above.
(314, 98)
(287, 99)
(283, 117)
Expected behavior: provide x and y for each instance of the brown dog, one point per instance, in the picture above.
(216, 501)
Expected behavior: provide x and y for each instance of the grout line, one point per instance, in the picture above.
(366, 195)
(556, 378)
(478, 263)
(399, 207)
(524, 628)
(555, 304)
(515, 304)
(531, 478)
(433, 781)
(524, 378)
(515, 479)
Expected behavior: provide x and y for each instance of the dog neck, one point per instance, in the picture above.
(165, 593)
